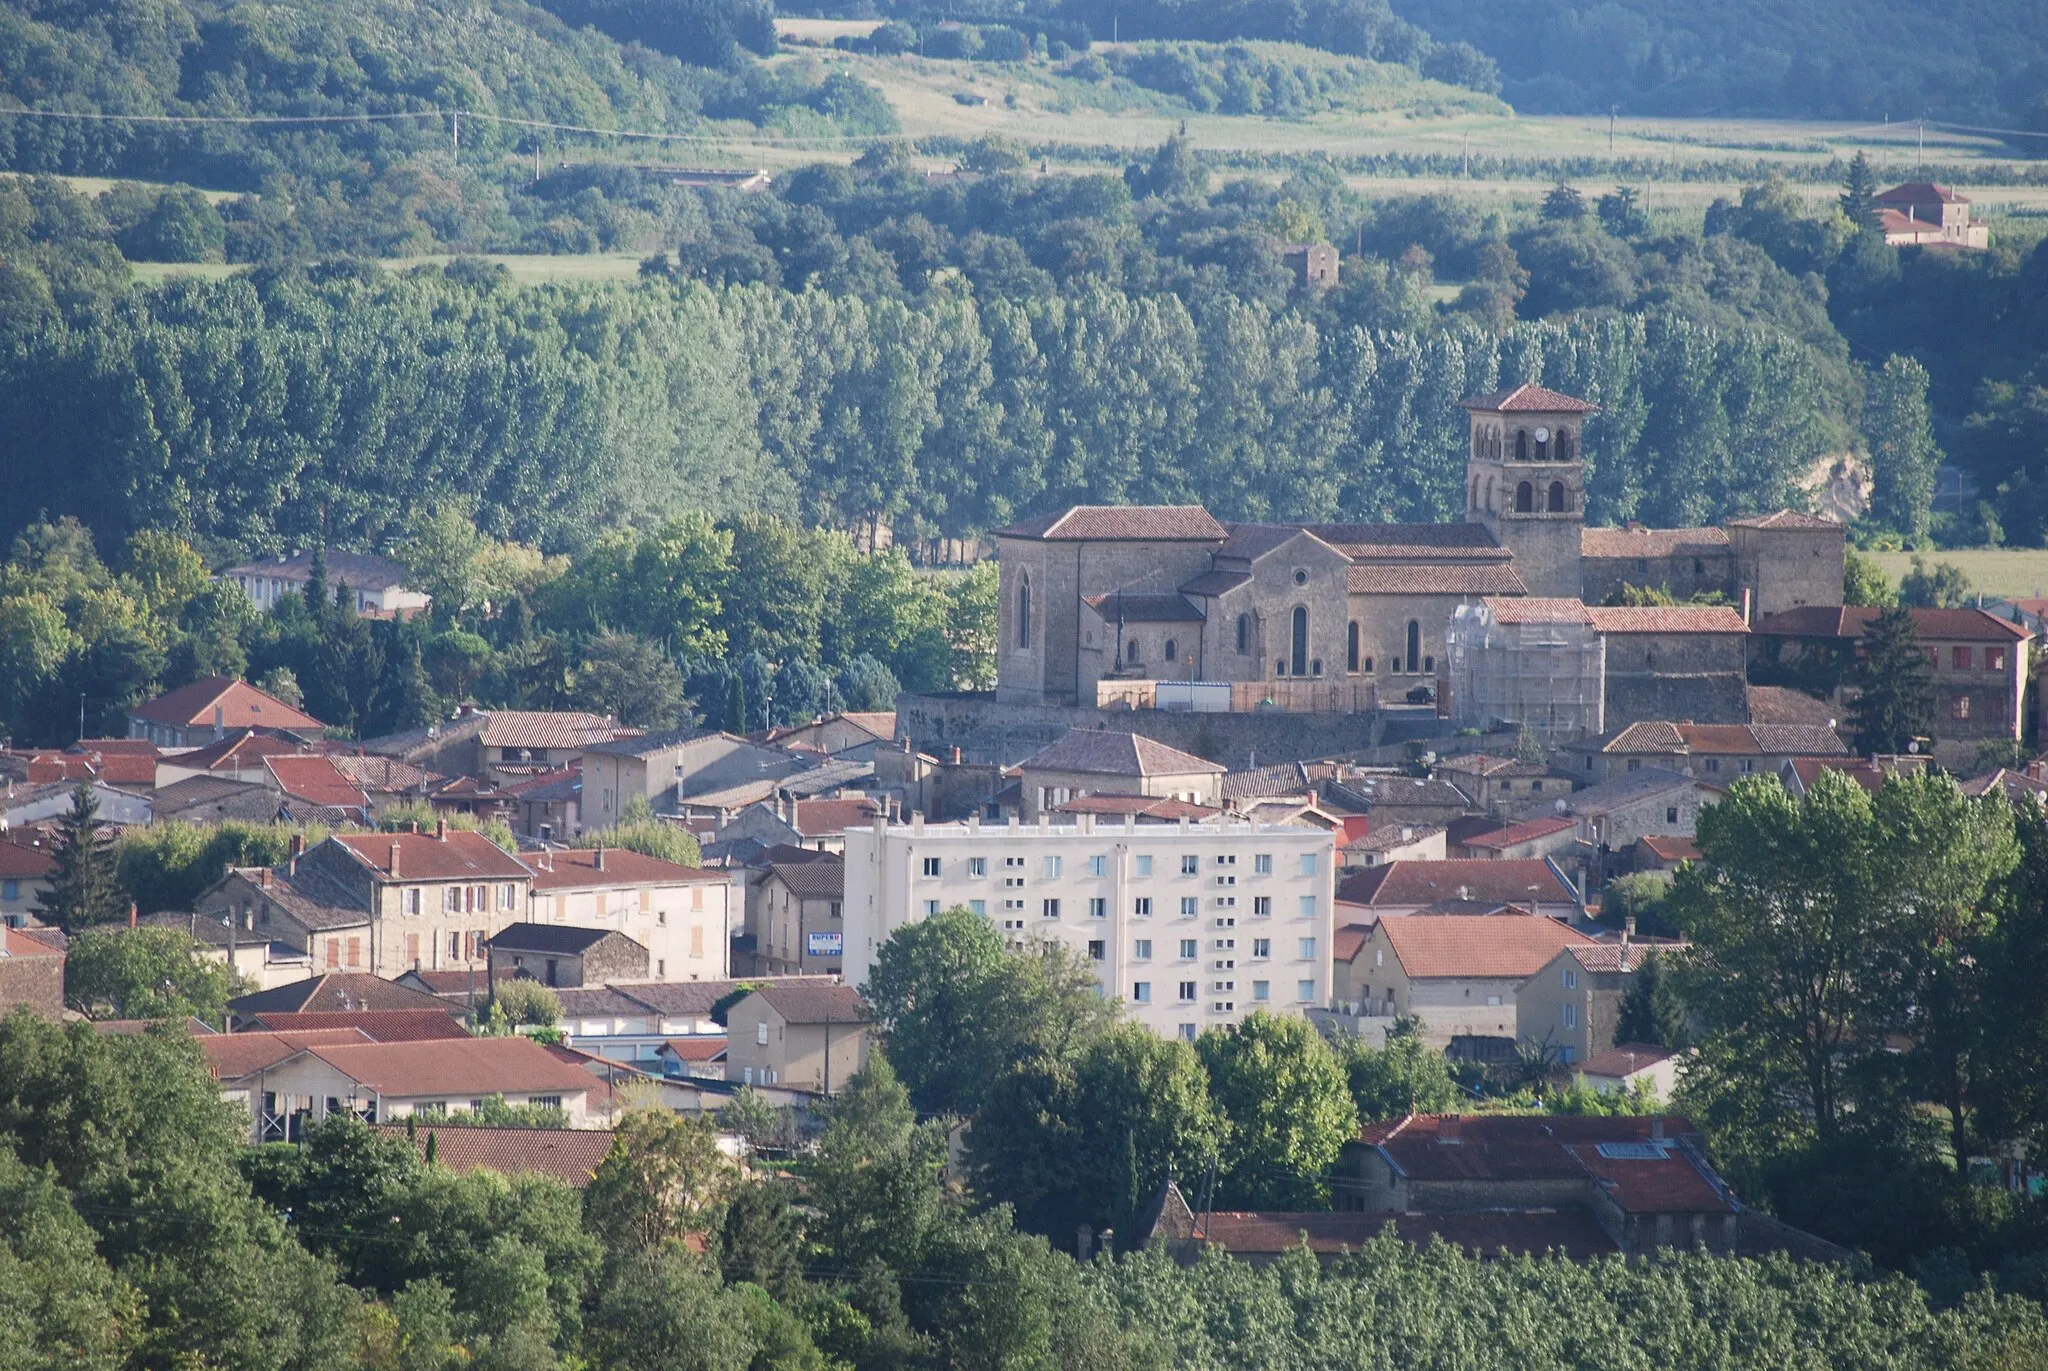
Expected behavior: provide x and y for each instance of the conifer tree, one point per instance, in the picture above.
(1859, 193)
(84, 887)
(1895, 693)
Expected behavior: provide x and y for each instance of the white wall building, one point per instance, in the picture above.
(1190, 925)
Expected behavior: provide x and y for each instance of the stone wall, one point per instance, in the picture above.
(35, 982)
(986, 731)
(1684, 576)
(1696, 677)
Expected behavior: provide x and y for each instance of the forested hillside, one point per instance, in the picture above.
(1977, 60)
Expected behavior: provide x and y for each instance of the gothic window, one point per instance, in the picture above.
(1131, 650)
(1525, 498)
(1521, 444)
(1024, 613)
(1244, 634)
(1298, 651)
(1557, 504)
(1368, 664)
(1172, 650)
(1351, 647)
(1414, 645)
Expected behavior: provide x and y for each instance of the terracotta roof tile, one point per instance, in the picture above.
(1668, 1183)
(1411, 542)
(1784, 705)
(1671, 848)
(1529, 398)
(1346, 941)
(20, 862)
(1453, 579)
(1400, 885)
(1624, 1058)
(1636, 541)
(235, 1055)
(1210, 584)
(377, 1025)
(550, 729)
(1250, 542)
(1526, 831)
(1667, 619)
(1627, 789)
(240, 705)
(1484, 945)
(1155, 807)
(1149, 523)
(1618, 957)
(1784, 518)
(239, 753)
(817, 1001)
(1931, 625)
(467, 1068)
(811, 880)
(356, 570)
(570, 1155)
(1574, 1233)
(1535, 610)
(458, 856)
(826, 818)
(1106, 752)
(1921, 193)
(703, 1049)
(337, 990)
(575, 868)
(316, 780)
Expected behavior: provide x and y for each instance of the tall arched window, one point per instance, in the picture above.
(1542, 449)
(1521, 444)
(1244, 634)
(1024, 613)
(1131, 650)
(1414, 646)
(1567, 445)
(1172, 650)
(1298, 652)
(1525, 498)
(1489, 494)
(1557, 497)
(1351, 647)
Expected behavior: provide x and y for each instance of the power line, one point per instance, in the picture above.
(221, 118)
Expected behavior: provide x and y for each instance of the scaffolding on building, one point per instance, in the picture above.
(1536, 663)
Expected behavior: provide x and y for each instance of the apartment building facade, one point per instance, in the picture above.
(1189, 925)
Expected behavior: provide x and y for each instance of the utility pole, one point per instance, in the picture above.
(1465, 155)
(1612, 110)
(1920, 146)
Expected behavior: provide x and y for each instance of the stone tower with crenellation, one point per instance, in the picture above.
(1525, 482)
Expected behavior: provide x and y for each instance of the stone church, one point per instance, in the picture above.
(1346, 616)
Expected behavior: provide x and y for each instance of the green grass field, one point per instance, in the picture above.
(1992, 571)
(525, 269)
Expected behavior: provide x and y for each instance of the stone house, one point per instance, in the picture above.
(1674, 662)
(796, 914)
(1505, 787)
(1101, 762)
(1787, 560)
(1684, 562)
(208, 710)
(1570, 1005)
(1651, 802)
(683, 916)
(1530, 839)
(802, 1035)
(562, 955)
(1457, 973)
(1923, 214)
(665, 769)
(1311, 265)
(1715, 752)
(502, 745)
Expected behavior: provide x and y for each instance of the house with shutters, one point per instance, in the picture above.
(683, 916)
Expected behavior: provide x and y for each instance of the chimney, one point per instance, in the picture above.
(263, 878)
(394, 861)
(413, 827)
(440, 830)
(1745, 604)
(953, 754)
(600, 859)
(1628, 930)
(219, 721)
(1657, 1128)
(131, 915)
(297, 844)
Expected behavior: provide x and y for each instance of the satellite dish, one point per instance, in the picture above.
(1542, 435)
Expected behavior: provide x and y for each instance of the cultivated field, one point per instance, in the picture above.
(1992, 571)
(527, 269)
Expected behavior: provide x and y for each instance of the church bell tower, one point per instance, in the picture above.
(1525, 482)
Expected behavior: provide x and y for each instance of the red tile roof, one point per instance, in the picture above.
(1400, 885)
(1931, 625)
(241, 752)
(818, 1001)
(696, 1049)
(316, 780)
(1624, 1059)
(1664, 1184)
(337, 990)
(1572, 1232)
(1507, 1147)
(1522, 832)
(1484, 578)
(1671, 849)
(1618, 957)
(20, 862)
(1476, 945)
(235, 1055)
(458, 856)
(1538, 610)
(126, 747)
(468, 1068)
(825, 818)
(1784, 705)
(1104, 751)
(240, 705)
(19, 944)
(811, 880)
(378, 1025)
(1344, 944)
(1148, 523)
(1157, 807)
(570, 1155)
(576, 868)
(1412, 542)
(550, 728)
(1529, 398)
(1921, 193)
(1667, 619)
(1637, 541)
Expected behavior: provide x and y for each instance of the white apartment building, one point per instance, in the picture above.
(1190, 925)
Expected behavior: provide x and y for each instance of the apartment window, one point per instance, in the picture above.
(1308, 907)
(1307, 950)
(1305, 992)
(1959, 658)
(1571, 1016)
(1098, 907)
(661, 918)
(1187, 996)
(1226, 880)
(977, 866)
(833, 909)
(454, 946)
(1017, 905)
(1262, 906)
(761, 1033)
(1959, 707)
(1671, 814)
(451, 899)
(1013, 861)
(931, 866)
(1262, 864)
(1713, 763)
(1994, 659)
(1308, 863)
(508, 897)
(1098, 865)
(1096, 951)
(1226, 859)
(1190, 865)
(1141, 866)
(979, 907)
(1190, 906)
(1142, 906)
(1262, 990)
(1223, 944)
(1262, 948)
(410, 900)
(1141, 950)
(1141, 992)
(1050, 909)
(931, 909)
(1051, 868)
(1190, 948)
